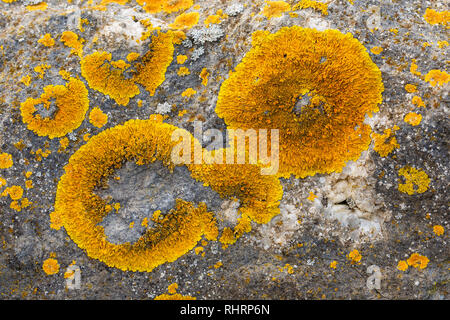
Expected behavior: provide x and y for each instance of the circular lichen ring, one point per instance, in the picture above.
(72, 103)
(146, 141)
(315, 87)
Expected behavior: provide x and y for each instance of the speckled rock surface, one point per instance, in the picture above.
(302, 253)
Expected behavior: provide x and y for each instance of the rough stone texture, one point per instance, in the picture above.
(358, 208)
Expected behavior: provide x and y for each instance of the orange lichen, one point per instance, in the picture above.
(50, 266)
(172, 289)
(204, 76)
(175, 296)
(437, 77)
(177, 232)
(189, 92)
(402, 265)
(354, 256)
(152, 70)
(416, 100)
(2, 182)
(385, 143)
(132, 56)
(98, 118)
(333, 264)
(413, 118)
(442, 44)
(413, 68)
(438, 230)
(105, 76)
(71, 40)
(42, 69)
(215, 18)
(168, 6)
(311, 196)
(418, 261)
(316, 5)
(40, 6)
(29, 184)
(227, 238)
(410, 88)
(56, 221)
(275, 9)
(181, 59)
(6, 161)
(47, 40)
(376, 50)
(435, 17)
(71, 102)
(185, 21)
(26, 80)
(280, 71)
(183, 71)
(417, 181)
(14, 192)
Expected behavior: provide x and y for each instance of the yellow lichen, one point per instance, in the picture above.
(413, 118)
(172, 289)
(333, 264)
(215, 18)
(281, 70)
(189, 92)
(47, 40)
(181, 59)
(2, 182)
(402, 265)
(204, 76)
(14, 192)
(71, 40)
(354, 256)
(146, 141)
(132, 56)
(417, 181)
(442, 44)
(42, 6)
(167, 6)
(6, 161)
(71, 102)
(413, 68)
(416, 100)
(98, 118)
(438, 230)
(311, 196)
(418, 261)
(42, 69)
(26, 80)
(376, 50)
(385, 143)
(275, 9)
(410, 88)
(435, 17)
(183, 71)
(50, 266)
(437, 77)
(101, 74)
(151, 72)
(185, 21)
(317, 5)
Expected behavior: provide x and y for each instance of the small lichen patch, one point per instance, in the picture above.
(98, 118)
(50, 266)
(418, 261)
(71, 102)
(413, 118)
(417, 181)
(6, 161)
